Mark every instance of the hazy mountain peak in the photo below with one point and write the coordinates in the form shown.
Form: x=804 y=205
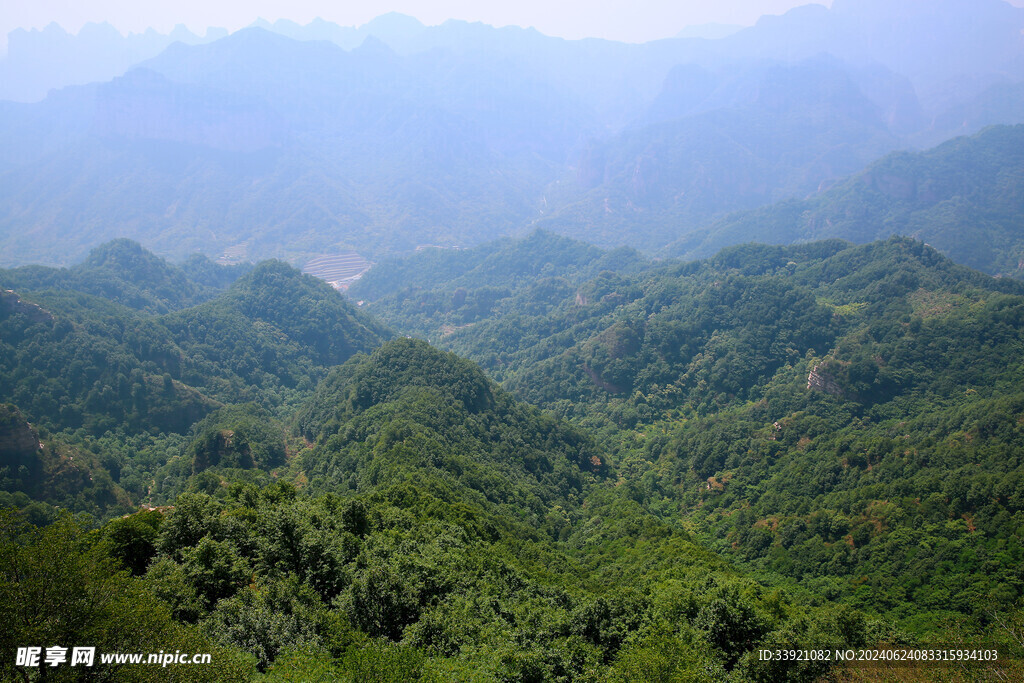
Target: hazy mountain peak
x=52 y=28
x=99 y=30
x=880 y=8
x=256 y=34
x=393 y=22
x=38 y=61
x=811 y=12
x=372 y=46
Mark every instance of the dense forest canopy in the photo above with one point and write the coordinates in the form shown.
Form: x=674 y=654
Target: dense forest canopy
x=801 y=446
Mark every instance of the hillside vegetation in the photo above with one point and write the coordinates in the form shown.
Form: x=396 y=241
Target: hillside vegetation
x=768 y=389
x=127 y=385
x=780 y=447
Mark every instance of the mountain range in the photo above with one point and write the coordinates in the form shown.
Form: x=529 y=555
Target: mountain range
x=965 y=198
x=293 y=141
x=683 y=463
x=671 y=355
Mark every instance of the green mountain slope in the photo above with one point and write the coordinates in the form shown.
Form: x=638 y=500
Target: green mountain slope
x=779 y=447
x=444 y=530
x=439 y=529
x=124 y=272
x=274 y=328
x=963 y=197
x=37 y=469
x=76 y=359
x=440 y=291
x=409 y=407
x=120 y=391
x=765 y=390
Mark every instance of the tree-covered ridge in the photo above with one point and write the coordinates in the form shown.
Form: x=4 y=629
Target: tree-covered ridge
x=886 y=472
x=275 y=329
x=764 y=390
x=122 y=271
x=963 y=197
x=77 y=360
x=411 y=412
x=700 y=334
x=115 y=393
x=779 y=446
x=503 y=263
x=682 y=343
x=74 y=361
x=437 y=292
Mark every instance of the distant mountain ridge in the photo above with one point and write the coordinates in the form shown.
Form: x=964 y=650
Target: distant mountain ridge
x=925 y=41
x=767 y=133
x=965 y=197
x=393 y=135
x=39 y=61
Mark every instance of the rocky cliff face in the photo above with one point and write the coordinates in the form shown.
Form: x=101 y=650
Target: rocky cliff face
x=820 y=379
x=11 y=303
x=18 y=441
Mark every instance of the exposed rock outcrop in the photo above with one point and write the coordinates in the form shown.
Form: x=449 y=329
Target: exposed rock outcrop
x=18 y=441
x=820 y=379
x=11 y=303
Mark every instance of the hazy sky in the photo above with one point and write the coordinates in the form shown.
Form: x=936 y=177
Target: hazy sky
x=630 y=20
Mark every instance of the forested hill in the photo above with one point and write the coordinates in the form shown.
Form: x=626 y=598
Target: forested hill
x=504 y=263
x=80 y=365
x=409 y=406
x=779 y=447
x=965 y=198
x=125 y=273
x=406 y=519
x=440 y=291
x=862 y=380
x=611 y=319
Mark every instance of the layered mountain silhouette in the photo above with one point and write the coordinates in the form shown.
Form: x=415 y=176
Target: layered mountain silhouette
x=964 y=198
x=289 y=141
